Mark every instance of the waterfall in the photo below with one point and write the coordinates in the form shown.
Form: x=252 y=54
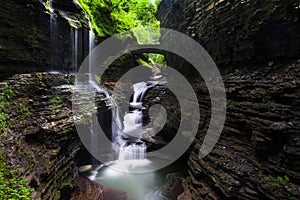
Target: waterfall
x=133 y=121
x=133 y=125
x=140 y=91
x=51 y=15
x=116 y=122
x=116 y=125
x=52 y=34
x=116 y=119
x=91 y=46
x=126 y=135
x=132 y=152
x=76 y=50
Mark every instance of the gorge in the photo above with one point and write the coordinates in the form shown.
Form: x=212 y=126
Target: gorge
x=47 y=102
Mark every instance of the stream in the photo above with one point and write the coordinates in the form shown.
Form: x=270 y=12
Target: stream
x=129 y=152
x=132 y=155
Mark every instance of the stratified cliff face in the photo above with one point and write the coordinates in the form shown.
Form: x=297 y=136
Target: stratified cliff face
x=237 y=32
x=41 y=137
x=257 y=156
x=29 y=37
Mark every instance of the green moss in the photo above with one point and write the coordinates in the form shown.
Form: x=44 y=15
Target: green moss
x=221 y=160
x=279 y=185
x=38 y=81
x=56 y=100
x=55 y=103
x=22 y=111
x=232 y=102
x=5 y=107
x=98 y=79
x=11 y=185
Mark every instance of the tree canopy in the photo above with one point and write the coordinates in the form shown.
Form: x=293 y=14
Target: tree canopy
x=110 y=17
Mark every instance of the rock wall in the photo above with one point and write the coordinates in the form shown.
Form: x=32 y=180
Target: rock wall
x=258 y=152
x=237 y=32
x=27 y=37
x=41 y=137
x=257 y=156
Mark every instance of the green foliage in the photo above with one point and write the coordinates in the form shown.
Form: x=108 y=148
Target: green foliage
x=5 y=107
x=22 y=111
x=143 y=62
x=55 y=103
x=221 y=160
x=280 y=179
x=11 y=185
x=283 y=180
x=156 y=58
x=279 y=184
x=3 y=123
x=286 y=178
x=9 y=93
x=98 y=79
x=109 y=17
x=56 y=100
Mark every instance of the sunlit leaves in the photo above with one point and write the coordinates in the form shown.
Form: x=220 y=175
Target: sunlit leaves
x=110 y=17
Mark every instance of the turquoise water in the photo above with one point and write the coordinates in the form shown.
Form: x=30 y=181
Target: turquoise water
x=139 y=186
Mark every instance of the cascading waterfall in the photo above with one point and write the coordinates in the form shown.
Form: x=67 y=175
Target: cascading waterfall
x=133 y=125
x=132 y=152
x=126 y=136
x=132 y=156
x=128 y=150
x=140 y=91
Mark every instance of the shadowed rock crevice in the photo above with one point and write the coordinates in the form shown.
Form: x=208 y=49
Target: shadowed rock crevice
x=256 y=47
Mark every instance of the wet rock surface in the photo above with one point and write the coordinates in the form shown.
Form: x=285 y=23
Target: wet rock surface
x=42 y=138
x=257 y=155
x=89 y=190
x=256 y=47
x=258 y=152
x=29 y=37
x=170 y=190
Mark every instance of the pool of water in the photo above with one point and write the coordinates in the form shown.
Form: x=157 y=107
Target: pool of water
x=153 y=185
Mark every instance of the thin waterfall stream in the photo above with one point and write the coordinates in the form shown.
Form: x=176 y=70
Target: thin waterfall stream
x=91 y=46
